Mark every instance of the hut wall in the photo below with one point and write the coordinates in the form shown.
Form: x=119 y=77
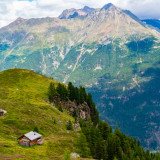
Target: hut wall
x=1 y=114
x=34 y=142
x=23 y=137
x=22 y=143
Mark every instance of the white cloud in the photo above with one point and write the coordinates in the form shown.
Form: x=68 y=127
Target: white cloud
x=12 y=9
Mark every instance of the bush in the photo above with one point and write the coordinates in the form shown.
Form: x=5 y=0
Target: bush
x=55 y=122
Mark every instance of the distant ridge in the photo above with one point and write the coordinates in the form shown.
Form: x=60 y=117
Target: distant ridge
x=152 y=22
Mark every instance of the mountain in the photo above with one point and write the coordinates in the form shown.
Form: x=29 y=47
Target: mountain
x=109 y=51
x=152 y=22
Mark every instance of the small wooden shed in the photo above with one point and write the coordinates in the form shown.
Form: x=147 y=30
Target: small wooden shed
x=30 y=139
x=2 y=112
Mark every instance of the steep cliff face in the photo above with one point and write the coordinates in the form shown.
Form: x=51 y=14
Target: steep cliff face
x=82 y=110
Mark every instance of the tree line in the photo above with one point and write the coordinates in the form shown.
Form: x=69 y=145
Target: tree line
x=100 y=142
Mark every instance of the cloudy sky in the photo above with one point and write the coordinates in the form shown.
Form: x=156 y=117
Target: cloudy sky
x=12 y=9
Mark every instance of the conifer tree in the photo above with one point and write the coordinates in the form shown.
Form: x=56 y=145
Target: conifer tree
x=89 y=100
x=117 y=132
x=69 y=125
x=75 y=115
x=59 y=90
x=81 y=92
x=100 y=146
x=82 y=146
x=93 y=139
x=36 y=129
x=104 y=129
x=60 y=109
x=62 y=91
x=71 y=91
x=51 y=92
x=77 y=97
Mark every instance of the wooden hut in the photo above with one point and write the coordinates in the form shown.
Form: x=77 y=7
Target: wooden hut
x=2 y=112
x=30 y=139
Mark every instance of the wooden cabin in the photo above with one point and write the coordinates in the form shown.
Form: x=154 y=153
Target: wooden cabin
x=30 y=139
x=2 y=112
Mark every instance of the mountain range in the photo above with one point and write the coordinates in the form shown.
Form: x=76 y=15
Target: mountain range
x=108 y=50
x=153 y=23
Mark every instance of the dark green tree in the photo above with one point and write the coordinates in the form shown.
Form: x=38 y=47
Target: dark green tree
x=51 y=92
x=77 y=97
x=69 y=126
x=75 y=115
x=89 y=100
x=60 y=108
x=36 y=129
x=114 y=148
x=83 y=95
x=100 y=148
x=82 y=146
x=71 y=91
x=94 y=112
x=62 y=91
x=105 y=129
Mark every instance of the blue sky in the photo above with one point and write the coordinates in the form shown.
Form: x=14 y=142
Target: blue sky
x=12 y=9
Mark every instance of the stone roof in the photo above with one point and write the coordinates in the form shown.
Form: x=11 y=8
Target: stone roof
x=32 y=135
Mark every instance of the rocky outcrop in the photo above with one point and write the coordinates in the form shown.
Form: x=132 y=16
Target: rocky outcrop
x=83 y=110
x=75 y=155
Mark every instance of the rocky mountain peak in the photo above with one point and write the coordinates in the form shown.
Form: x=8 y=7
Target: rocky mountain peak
x=19 y=19
x=66 y=13
x=87 y=9
x=107 y=6
x=73 y=13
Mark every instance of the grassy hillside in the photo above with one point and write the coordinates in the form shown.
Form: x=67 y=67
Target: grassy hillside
x=23 y=95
